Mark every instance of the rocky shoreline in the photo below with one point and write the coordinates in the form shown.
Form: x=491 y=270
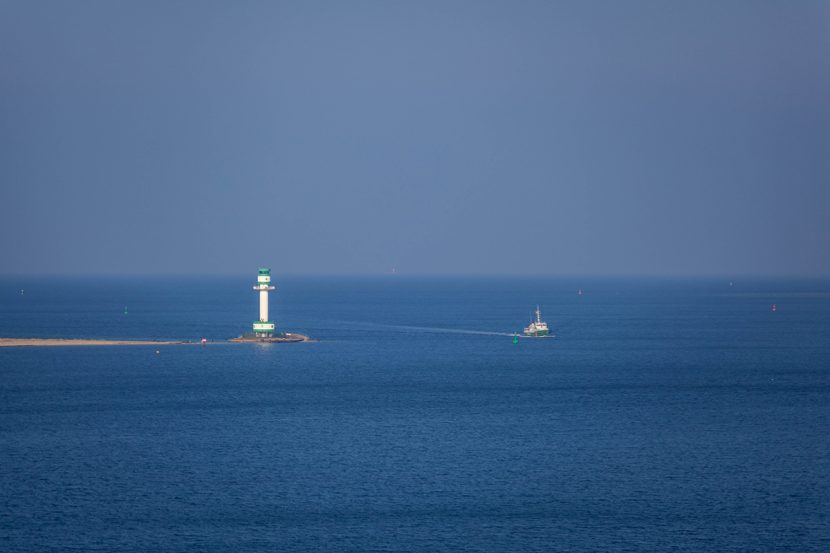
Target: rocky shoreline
x=286 y=337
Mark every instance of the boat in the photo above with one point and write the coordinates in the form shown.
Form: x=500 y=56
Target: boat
x=537 y=327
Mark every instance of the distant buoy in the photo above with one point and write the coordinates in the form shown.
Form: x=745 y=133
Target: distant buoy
x=125 y=309
x=774 y=308
x=21 y=291
x=204 y=340
x=515 y=339
x=157 y=351
x=579 y=292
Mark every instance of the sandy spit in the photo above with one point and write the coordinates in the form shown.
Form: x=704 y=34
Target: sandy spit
x=6 y=342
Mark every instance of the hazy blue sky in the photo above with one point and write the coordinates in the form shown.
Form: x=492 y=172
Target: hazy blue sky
x=435 y=137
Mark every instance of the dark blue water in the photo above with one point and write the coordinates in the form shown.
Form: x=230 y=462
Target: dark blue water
x=665 y=416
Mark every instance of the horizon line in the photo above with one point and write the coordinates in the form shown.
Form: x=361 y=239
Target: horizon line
x=390 y=275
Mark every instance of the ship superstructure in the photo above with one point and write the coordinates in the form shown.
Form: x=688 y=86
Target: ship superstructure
x=537 y=327
x=263 y=328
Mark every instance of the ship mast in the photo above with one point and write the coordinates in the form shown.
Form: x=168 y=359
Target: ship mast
x=538 y=315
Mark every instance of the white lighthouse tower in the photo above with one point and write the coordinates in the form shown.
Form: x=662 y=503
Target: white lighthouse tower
x=263 y=328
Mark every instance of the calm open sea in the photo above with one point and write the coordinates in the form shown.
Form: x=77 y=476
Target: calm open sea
x=678 y=416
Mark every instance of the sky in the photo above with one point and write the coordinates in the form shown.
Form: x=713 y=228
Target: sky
x=449 y=137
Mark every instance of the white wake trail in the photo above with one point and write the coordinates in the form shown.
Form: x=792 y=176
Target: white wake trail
x=430 y=329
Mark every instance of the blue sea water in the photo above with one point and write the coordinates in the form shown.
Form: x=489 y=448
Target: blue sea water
x=680 y=415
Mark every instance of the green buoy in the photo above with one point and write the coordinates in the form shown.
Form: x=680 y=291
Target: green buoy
x=125 y=309
x=515 y=339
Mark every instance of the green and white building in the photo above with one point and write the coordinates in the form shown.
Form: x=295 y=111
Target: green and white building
x=263 y=328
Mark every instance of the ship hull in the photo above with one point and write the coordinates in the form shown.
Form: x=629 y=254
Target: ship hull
x=537 y=333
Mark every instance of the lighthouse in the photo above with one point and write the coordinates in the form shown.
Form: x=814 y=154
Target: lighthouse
x=263 y=328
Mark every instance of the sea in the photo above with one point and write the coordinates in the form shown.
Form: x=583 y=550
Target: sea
x=681 y=415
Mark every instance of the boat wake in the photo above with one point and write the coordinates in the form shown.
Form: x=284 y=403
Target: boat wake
x=425 y=329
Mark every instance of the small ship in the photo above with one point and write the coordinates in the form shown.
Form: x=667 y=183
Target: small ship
x=538 y=327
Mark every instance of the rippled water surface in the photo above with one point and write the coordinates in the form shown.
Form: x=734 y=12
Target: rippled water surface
x=664 y=416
